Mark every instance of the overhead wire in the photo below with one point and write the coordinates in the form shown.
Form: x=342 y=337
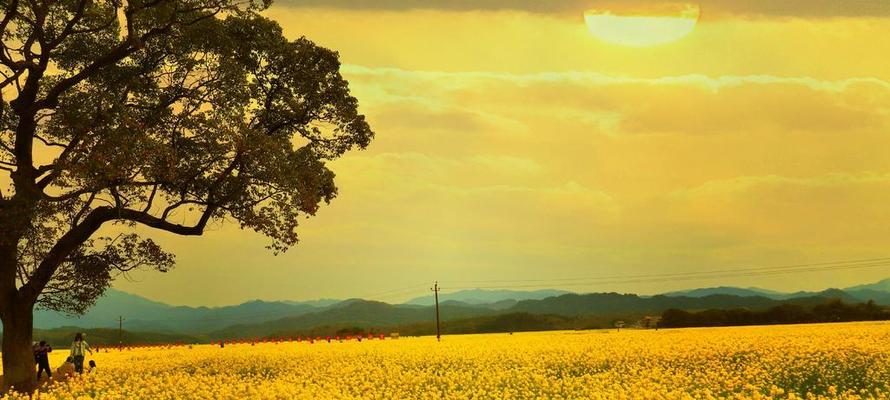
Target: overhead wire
x=618 y=279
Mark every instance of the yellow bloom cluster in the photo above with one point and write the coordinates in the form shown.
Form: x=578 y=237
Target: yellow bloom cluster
x=846 y=361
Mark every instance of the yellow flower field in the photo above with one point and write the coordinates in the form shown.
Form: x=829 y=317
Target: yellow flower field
x=847 y=361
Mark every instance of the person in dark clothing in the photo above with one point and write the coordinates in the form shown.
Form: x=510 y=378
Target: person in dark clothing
x=41 y=356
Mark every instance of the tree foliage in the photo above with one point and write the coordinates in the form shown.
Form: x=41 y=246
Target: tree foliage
x=169 y=114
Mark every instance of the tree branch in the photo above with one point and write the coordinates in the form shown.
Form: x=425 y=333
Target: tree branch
x=76 y=237
x=11 y=12
x=129 y=46
x=69 y=27
x=68 y=243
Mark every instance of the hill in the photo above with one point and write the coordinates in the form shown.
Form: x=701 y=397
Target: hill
x=568 y=311
x=483 y=296
x=260 y=318
x=730 y=290
x=879 y=292
x=142 y=314
x=351 y=313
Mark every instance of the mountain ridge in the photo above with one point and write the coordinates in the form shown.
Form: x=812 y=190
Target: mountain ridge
x=483 y=296
x=142 y=314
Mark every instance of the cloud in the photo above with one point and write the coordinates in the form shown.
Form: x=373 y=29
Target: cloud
x=511 y=142
x=786 y=8
x=685 y=104
x=826 y=210
x=471 y=78
x=737 y=185
x=677 y=166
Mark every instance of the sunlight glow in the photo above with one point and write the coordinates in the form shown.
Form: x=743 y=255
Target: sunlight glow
x=641 y=30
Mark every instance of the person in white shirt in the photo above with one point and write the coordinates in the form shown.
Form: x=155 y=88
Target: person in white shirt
x=79 y=348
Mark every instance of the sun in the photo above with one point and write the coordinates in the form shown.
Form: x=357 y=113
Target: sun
x=641 y=28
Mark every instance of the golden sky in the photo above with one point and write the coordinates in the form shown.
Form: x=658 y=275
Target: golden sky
x=513 y=144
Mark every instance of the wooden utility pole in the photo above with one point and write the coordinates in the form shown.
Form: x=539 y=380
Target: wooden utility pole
x=436 y=294
x=120 y=333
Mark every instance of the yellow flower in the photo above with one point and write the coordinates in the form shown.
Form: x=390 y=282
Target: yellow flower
x=831 y=361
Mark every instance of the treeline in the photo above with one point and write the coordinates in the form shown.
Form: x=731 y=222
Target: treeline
x=500 y=323
x=511 y=322
x=108 y=337
x=833 y=311
x=787 y=313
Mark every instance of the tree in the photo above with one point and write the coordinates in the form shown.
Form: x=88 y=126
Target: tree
x=167 y=114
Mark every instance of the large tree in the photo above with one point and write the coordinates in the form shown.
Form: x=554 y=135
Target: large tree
x=167 y=114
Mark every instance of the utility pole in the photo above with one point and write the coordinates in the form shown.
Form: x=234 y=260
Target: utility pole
x=436 y=294
x=120 y=333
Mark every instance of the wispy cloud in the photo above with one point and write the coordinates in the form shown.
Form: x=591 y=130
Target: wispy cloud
x=786 y=8
x=470 y=78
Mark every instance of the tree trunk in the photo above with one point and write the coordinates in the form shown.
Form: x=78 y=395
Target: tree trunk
x=18 y=358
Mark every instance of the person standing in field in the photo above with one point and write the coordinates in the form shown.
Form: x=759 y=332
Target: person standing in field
x=41 y=356
x=78 y=351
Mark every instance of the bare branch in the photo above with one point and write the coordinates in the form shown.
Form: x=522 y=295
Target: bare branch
x=49 y=143
x=11 y=78
x=83 y=209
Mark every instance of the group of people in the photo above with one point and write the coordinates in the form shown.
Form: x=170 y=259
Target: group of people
x=72 y=365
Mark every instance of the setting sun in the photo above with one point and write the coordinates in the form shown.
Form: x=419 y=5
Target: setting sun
x=641 y=29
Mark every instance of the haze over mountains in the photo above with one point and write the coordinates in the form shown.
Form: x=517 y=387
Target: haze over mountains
x=879 y=292
x=482 y=296
x=257 y=318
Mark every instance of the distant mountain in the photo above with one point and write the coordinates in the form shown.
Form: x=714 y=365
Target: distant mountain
x=482 y=296
x=631 y=304
x=734 y=291
x=567 y=310
x=881 y=286
x=879 y=292
x=880 y=297
x=353 y=313
x=314 y=303
x=141 y=314
x=105 y=312
x=478 y=308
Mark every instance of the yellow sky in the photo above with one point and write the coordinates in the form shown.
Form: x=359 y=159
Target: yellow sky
x=512 y=144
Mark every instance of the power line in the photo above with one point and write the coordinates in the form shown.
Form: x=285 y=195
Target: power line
x=682 y=277
x=411 y=294
x=580 y=282
x=845 y=262
x=404 y=289
x=654 y=280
